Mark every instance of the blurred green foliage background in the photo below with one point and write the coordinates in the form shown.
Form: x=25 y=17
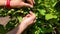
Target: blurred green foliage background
x=47 y=17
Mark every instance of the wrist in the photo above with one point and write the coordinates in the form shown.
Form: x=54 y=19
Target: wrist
x=8 y=3
x=22 y=27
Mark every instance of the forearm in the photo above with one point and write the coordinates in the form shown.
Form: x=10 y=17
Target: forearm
x=2 y=2
x=22 y=27
x=14 y=31
x=19 y=29
x=13 y=4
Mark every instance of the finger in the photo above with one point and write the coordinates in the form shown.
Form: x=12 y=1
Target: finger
x=34 y=20
x=27 y=5
x=24 y=18
x=30 y=1
x=33 y=1
x=31 y=13
x=28 y=15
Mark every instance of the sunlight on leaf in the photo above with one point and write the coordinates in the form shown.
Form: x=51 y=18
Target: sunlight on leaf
x=50 y=16
x=42 y=11
x=19 y=18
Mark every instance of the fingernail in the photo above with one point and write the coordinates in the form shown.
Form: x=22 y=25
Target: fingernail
x=31 y=6
x=30 y=11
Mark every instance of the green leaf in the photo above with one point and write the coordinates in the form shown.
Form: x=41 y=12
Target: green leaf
x=19 y=18
x=50 y=16
x=42 y=11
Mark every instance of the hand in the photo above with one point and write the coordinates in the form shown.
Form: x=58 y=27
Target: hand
x=27 y=20
x=21 y=3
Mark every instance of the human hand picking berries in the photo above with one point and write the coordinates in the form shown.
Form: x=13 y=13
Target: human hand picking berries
x=17 y=3
x=27 y=20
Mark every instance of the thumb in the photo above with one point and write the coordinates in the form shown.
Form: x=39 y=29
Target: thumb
x=27 y=5
x=32 y=14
